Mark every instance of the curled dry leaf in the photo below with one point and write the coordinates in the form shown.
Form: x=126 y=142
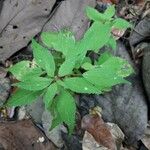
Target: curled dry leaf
x=89 y=143
x=117 y=134
x=118 y=33
x=95 y=125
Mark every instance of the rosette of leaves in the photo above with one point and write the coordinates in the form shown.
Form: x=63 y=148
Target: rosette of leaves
x=65 y=70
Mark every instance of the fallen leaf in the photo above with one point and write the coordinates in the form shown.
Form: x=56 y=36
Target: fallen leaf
x=146 y=139
x=141 y=32
x=23 y=135
x=118 y=33
x=89 y=143
x=20 y=21
x=117 y=134
x=95 y=125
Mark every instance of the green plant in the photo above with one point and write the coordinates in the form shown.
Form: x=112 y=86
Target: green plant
x=67 y=69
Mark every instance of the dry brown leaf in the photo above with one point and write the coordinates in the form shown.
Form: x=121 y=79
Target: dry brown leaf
x=140 y=1
x=89 y=143
x=23 y=135
x=20 y=21
x=95 y=125
x=118 y=33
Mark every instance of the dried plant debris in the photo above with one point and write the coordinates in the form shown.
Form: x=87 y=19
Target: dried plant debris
x=117 y=134
x=133 y=10
x=100 y=135
x=99 y=130
x=89 y=143
x=23 y=135
x=20 y=21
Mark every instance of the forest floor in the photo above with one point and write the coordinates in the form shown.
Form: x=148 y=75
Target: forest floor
x=124 y=120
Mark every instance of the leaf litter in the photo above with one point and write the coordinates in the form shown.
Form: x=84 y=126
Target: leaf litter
x=11 y=33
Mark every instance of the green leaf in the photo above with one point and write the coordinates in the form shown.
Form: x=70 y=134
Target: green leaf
x=110 y=73
x=34 y=72
x=49 y=38
x=81 y=59
x=110 y=12
x=56 y=121
x=50 y=94
x=43 y=58
x=61 y=83
x=20 y=69
x=87 y=60
x=63 y=41
x=96 y=37
x=104 y=57
x=121 y=24
x=67 y=67
x=80 y=85
x=94 y=15
x=66 y=109
x=56 y=117
x=87 y=66
x=112 y=43
x=25 y=68
x=34 y=83
x=53 y=108
x=23 y=97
